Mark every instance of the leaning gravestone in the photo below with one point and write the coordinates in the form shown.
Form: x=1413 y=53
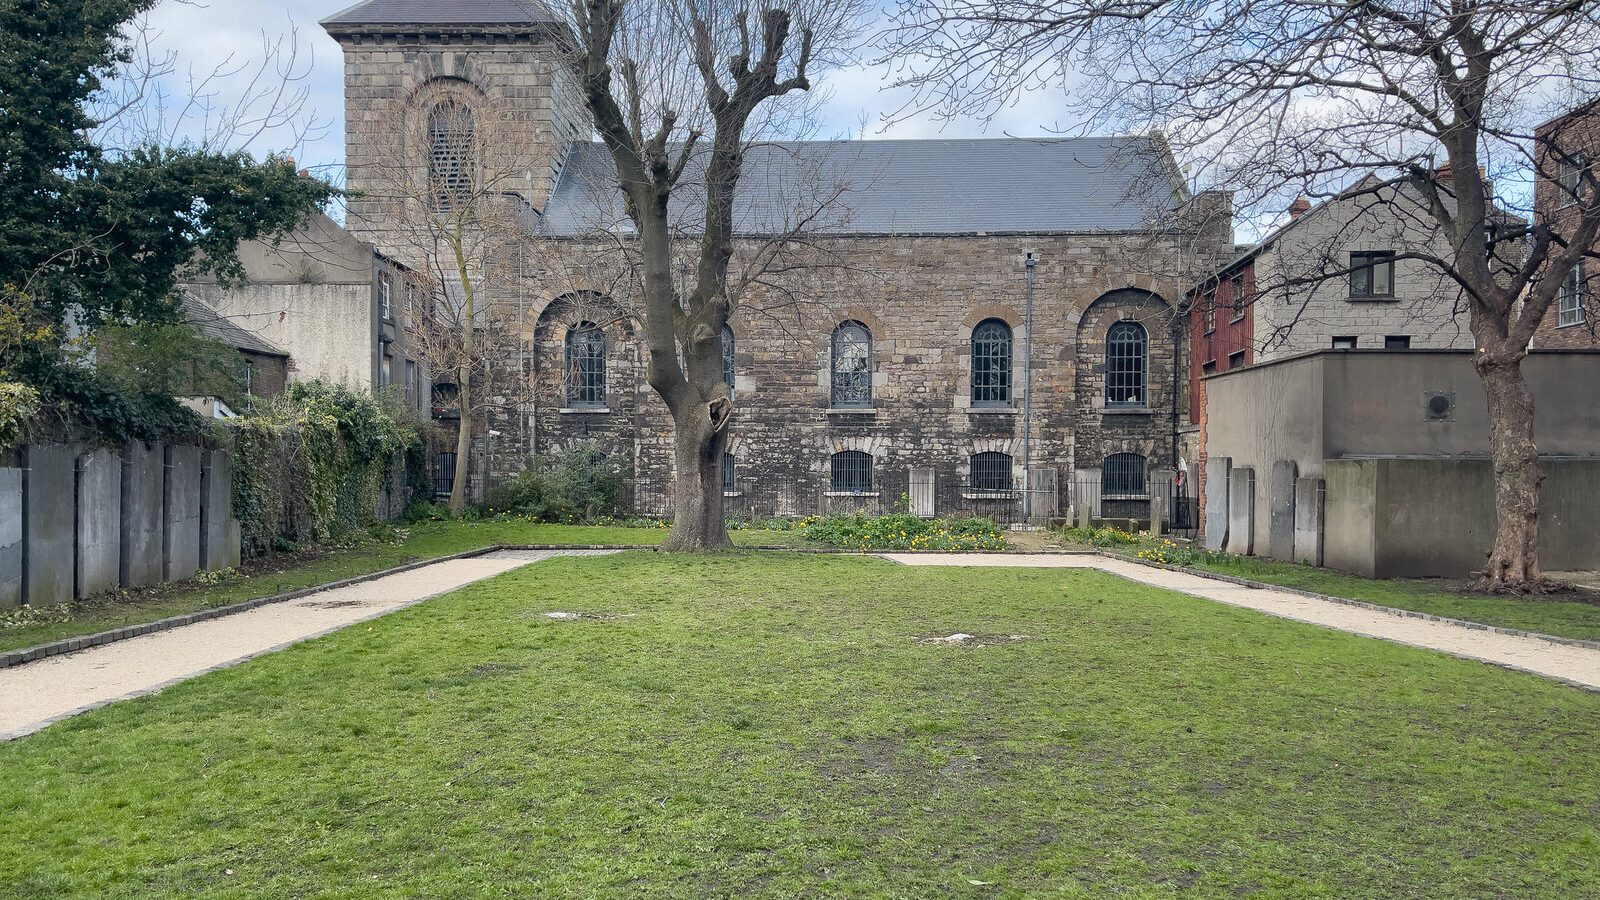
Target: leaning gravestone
x=99 y=550
x=47 y=508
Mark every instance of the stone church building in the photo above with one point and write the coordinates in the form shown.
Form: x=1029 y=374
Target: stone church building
x=955 y=320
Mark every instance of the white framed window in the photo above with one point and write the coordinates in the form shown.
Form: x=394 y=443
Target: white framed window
x=1347 y=342
x=1569 y=302
x=384 y=300
x=1569 y=178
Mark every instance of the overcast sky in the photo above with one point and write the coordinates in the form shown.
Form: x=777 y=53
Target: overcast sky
x=207 y=33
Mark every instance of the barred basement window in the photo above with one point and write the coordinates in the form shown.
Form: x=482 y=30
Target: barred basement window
x=450 y=152
x=991 y=363
x=852 y=367
x=991 y=472
x=728 y=483
x=852 y=472
x=586 y=366
x=1127 y=360
x=727 y=358
x=1122 y=474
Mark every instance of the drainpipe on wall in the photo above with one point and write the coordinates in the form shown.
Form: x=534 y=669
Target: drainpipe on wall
x=1027 y=396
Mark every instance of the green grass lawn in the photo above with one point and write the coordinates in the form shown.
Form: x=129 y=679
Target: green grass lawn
x=770 y=725
x=1564 y=616
x=276 y=575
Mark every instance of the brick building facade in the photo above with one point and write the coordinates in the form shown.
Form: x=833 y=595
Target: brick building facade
x=854 y=369
x=1568 y=145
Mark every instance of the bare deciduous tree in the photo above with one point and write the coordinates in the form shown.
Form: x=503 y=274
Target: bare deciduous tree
x=686 y=81
x=1306 y=96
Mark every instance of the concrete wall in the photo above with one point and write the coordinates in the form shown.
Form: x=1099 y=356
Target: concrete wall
x=1391 y=518
x=219 y=540
x=180 y=541
x=99 y=522
x=1332 y=405
x=327 y=328
x=47 y=523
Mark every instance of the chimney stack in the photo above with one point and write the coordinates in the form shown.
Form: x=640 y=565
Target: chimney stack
x=1299 y=207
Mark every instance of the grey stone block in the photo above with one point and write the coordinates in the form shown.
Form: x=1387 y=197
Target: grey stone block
x=1218 y=468
x=216 y=512
x=1241 y=510
x=180 y=538
x=1280 y=509
x=10 y=538
x=99 y=527
x=1308 y=493
x=47 y=530
x=143 y=487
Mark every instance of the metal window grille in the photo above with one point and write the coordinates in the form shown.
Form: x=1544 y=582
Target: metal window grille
x=991 y=472
x=727 y=358
x=1372 y=274
x=450 y=140
x=852 y=471
x=852 y=366
x=444 y=473
x=1127 y=359
x=991 y=364
x=1569 y=304
x=1122 y=474
x=586 y=365
x=727 y=474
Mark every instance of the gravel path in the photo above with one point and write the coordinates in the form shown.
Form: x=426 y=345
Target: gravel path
x=35 y=694
x=1578 y=666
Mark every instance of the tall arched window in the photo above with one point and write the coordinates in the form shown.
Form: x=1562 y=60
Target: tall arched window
x=852 y=367
x=586 y=366
x=1127 y=362
x=852 y=472
x=450 y=153
x=1122 y=474
x=727 y=358
x=991 y=472
x=991 y=363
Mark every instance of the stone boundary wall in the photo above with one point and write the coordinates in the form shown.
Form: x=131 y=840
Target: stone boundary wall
x=78 y=520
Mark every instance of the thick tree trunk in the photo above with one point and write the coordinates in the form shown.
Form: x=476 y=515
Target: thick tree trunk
x=458 y=484
x=698 y=522
x=1514 y=560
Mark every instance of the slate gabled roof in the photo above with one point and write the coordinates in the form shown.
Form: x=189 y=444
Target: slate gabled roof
x=443 y=12
x=993 y=186
x=214 y=325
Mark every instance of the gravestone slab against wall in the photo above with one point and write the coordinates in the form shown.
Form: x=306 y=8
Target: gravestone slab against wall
x=1218 y=468
x=1308 y=494
x=1280 y=509
x=10 y=537
x=47 y=531
x=216 y=510
x=1242 y=510
x=180 y=541
x=99 y=527
x=143 y=489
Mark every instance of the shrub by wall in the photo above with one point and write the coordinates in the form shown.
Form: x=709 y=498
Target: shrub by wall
x=309 y=466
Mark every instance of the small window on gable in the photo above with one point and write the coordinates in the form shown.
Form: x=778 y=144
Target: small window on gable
x=1123 y=475
x=1372 y=274
x=1397 y=342
x=852 y=472
x=1344 y=343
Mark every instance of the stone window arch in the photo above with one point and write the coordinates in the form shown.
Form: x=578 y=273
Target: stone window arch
x=1123 y=475
x=991 y=363
x=851 y=472
x=851 y=367
x=586 y=366
x=991 y=472
x=1127 y=364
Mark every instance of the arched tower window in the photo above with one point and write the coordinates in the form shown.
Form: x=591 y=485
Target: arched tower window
x=586 y=366
x=451 y=149
x=852 y=367
x=991 y=363
x=1127 y=364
